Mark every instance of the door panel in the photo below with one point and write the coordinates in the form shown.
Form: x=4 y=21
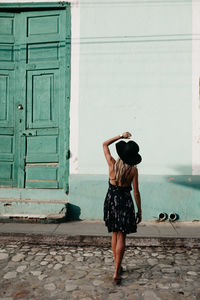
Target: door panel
x=6 y=53
x=43 y=24
x=6 y=147
x=6 y=175
x=42 y=176
x=42 y=99
x=6 y=98
x=40 y=149
x=7 y=27
x=42 y=52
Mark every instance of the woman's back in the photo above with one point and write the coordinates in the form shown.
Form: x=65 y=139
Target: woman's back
x=121 y=174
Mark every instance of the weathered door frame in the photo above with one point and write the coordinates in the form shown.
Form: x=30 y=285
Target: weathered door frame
x=64 y=162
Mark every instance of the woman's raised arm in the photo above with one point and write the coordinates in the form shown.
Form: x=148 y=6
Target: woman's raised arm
x=106 y=150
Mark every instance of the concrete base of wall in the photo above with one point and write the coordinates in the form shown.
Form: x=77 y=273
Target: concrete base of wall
x=32 y=203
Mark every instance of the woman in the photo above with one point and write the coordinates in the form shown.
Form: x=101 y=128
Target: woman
x=119 y=213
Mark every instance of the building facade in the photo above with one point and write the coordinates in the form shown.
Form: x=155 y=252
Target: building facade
x=73 y=74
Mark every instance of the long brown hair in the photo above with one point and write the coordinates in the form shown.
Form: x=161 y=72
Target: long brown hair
x=122 y=172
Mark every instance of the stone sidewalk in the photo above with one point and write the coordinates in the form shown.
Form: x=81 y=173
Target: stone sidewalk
x=94 y=233
x=85 y=273
x=97 y=227
x=73 y=261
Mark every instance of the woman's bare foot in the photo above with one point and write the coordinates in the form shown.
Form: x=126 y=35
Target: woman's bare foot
x=117 y=280
x=117 y=274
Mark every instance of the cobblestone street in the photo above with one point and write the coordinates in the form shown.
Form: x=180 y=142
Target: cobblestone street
x=62 y=272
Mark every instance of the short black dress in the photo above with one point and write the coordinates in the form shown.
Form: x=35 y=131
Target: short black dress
x=119 y=211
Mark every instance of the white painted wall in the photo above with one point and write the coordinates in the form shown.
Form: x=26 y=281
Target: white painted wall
x=195 y=88
x=136 y=75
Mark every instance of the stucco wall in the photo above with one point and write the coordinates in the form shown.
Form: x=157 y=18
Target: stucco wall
x=136 y=75
x=134 y=66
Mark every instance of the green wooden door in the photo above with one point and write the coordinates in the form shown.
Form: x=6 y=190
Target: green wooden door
x=39 y=92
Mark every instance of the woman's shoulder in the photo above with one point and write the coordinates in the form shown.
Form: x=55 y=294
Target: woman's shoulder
x=134 y=172
x=134 y=169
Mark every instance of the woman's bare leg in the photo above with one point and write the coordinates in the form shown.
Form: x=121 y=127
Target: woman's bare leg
x=120 y=248
x=113 y=244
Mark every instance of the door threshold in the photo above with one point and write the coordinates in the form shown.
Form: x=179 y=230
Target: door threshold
x=32 y=218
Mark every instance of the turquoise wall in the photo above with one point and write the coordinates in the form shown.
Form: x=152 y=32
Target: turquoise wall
x=136 y=75
x=179 y=194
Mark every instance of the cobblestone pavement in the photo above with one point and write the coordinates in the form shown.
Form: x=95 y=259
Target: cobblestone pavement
x=61 y=272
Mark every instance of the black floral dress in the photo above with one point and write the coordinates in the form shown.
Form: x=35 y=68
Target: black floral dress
x=119 y=212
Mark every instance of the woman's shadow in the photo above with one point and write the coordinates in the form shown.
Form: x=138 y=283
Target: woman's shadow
x=73 y=213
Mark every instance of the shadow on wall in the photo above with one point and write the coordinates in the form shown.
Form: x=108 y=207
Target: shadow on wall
x=73 y=212
x=190 y=181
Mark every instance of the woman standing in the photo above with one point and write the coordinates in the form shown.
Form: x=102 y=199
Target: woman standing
x=119 y=212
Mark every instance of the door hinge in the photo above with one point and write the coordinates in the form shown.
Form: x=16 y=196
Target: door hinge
x=68 y=154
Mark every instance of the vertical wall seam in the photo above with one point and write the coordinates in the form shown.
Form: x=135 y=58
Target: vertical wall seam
x=74 y=101
x=195 y=88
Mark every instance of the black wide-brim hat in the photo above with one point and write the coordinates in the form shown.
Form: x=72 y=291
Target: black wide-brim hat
x=128 y=152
